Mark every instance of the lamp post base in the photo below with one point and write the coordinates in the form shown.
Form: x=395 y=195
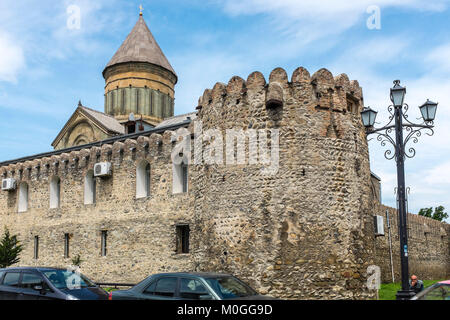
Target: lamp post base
x=405 y=295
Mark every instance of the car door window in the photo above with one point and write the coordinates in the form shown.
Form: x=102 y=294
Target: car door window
x=11 y=279
x=193 y=289
x=166 y=287
x=30 y=280
x=150 y=290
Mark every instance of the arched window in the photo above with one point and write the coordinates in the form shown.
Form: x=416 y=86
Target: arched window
x=55 y=192
x=143 y=180
x=23 y=197
x=89 y=188
x=180 y=178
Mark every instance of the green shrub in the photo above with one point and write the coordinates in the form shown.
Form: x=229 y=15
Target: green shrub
x=10 y=249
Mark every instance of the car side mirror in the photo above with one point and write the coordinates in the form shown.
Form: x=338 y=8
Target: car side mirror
x=42 y=288
x=38 y=287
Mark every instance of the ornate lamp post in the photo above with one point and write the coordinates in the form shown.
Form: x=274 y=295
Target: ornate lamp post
x=398 y=121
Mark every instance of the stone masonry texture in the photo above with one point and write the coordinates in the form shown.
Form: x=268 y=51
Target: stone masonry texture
x=306 y=232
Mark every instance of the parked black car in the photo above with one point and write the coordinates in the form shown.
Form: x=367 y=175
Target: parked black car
x=189 y=286
x=30 y=283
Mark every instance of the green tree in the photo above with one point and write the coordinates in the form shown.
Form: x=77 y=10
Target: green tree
x=10 y=249
x=426 y=212
x=438 y=213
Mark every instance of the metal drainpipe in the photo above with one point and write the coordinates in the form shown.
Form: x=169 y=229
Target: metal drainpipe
x=390 y=245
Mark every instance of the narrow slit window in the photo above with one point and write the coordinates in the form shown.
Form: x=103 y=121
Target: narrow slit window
x=36 y=247
x=137 y=101
x=103 y=244
x=182 y=239
x=122 y=107
x=66 y=245
x=184 y=169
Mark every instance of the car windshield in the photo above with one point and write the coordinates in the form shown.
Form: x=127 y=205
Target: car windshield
x=68 y=279
x=230 y=287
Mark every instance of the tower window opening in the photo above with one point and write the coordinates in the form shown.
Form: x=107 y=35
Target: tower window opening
x=103 y=243
x=55 y=192
x=131 y=128
x=143 y=180
x=36 y=247
x=66 y=245
x=90 y=185
x=23 y=197
x=182 y=239
x=180 y=178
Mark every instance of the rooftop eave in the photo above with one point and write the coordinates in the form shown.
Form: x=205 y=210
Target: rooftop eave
x=139 y=62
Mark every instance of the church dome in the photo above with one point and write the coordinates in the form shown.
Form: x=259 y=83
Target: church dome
x=139 y=79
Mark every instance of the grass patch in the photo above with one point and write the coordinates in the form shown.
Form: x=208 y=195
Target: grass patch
x=389 y=290
x=109 y=289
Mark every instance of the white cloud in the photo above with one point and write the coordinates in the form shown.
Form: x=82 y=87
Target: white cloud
x=312 y=19
x=439 y=175
x=12 y=59
x=45 y=35
x=440 y=56
x=323 y=8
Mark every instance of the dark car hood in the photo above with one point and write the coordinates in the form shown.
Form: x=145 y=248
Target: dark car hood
x=93 y=293
x=256 y=297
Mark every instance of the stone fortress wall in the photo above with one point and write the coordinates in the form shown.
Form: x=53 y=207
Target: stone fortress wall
x=140 y=232
x=305 y=232
x=428 y=242
x=300 y=233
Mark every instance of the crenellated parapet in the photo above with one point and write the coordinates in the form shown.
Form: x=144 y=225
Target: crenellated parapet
x=80 y=161
x=419 y=227
x=326 y=106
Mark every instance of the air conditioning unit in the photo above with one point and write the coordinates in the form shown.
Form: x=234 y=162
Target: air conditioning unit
x=8 y=184
x=379 y=225
x=102 y=169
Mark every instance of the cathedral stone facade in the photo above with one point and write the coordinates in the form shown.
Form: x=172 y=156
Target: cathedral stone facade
x=305 y=230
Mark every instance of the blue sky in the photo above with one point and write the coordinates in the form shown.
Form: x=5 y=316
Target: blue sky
x=45 y=67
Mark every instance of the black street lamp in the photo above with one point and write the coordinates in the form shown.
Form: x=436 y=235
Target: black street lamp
x=413 y=131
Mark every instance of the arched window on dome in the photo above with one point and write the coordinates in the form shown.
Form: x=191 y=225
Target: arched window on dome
x=55 y=192
x=143 y=180
x=89 y=187
x=23 y=197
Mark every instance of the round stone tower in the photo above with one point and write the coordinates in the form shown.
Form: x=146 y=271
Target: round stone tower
x=139 y=79
x=303 y=230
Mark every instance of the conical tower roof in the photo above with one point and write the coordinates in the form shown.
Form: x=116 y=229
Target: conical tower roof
x=140 y=46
